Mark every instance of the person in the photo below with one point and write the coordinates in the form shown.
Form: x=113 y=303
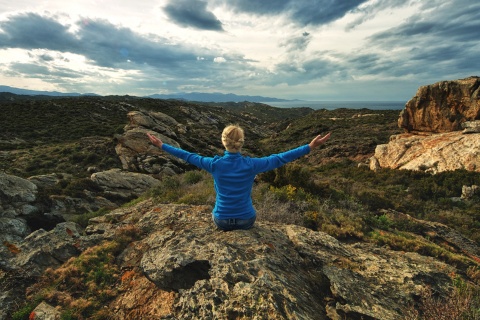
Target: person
x=234 y=174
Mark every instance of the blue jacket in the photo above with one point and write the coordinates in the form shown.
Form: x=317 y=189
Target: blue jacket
x=233 y=176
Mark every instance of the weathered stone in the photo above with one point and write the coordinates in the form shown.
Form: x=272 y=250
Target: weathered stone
x=42 y=249
x=271 y=271
x=471 y=126
x=44 y=311
x=64 y=205
x=468 y=192
x=15 y=193
x=442 y=107
x=46 y=180
x=124 y=184
x=154 y=121
x=185 y=268
x=134 y=148
x=430 y=153
x=13 y=229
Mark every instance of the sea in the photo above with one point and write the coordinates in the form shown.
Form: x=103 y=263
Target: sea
x=331 y=105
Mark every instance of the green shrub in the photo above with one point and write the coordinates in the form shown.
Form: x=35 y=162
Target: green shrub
x=374 y=201
x=192 y=177
x=85 y=217
x=76 y=188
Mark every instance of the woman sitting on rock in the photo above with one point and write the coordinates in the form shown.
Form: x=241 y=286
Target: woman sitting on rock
x=234 y=174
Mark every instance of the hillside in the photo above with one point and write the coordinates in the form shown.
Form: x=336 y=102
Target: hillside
x=327 y=212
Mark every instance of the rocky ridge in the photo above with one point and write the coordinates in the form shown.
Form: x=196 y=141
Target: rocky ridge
x=182 y=267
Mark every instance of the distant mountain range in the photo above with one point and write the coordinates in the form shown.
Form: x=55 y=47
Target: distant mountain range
x=214 y=97
x=188 y=96
x=43 y=93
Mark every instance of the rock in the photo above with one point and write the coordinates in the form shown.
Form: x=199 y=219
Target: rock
x=468 y=192
x=65 y=206
x=13 y=229
x=16 y=195
x=135 y=150
x=126 y=185
x=30 y=258
x=430 y=153
x=42 y=249
x=44 y=311
x=442 y=107
x=46 y=180
x=471 y=126
x=155 y=121
x=182 y=267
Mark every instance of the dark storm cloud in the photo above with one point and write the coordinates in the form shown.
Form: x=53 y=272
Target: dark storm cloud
x=295 y=72
x=32 y=31
x=457 y=22
x=34 y=70
x=369 y=11
x=303 y=12
x=103 y=44
x=111 y=46
x=441 y=40
x=192 y=13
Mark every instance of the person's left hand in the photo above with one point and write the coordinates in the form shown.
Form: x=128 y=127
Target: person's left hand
x=155 y=140
x=318 y=140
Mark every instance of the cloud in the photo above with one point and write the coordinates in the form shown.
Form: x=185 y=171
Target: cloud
x=297 y=43
x=319 y=12
x=302 y=12
x=33 y=31
x=219 y=60
x=192 y=13
x=100 y=42
x=440 y=40
x=372 y=8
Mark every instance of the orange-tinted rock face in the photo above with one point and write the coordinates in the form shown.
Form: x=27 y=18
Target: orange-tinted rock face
x=442 y=107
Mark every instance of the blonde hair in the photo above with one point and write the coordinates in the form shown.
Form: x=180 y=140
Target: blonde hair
x=233 y=138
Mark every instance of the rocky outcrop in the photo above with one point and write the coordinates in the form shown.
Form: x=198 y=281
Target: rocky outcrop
x=123 y=184
x=17 y=196
x=430 y=153
x=137 y=153
x=182 y=267
x=471 y=126
x=199 y=132
x=21 y=263
x=442 y=107
x=21 y=212
x=433 y=120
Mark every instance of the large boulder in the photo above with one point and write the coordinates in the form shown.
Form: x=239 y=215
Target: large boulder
x=22 y=263
x=430 y=152
x=16 y=195
x=137 y=153
x=433 y=120
x=124 y=184
x=442 y=107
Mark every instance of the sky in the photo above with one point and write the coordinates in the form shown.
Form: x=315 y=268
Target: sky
x=318 y=50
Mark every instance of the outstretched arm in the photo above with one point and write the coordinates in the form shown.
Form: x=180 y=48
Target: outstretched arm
x=318 y=140
x=155 y=140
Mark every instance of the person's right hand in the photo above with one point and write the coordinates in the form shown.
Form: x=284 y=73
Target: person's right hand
x=155 y=140
x=318 y=140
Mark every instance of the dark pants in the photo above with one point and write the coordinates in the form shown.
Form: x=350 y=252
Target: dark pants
x=234 y=224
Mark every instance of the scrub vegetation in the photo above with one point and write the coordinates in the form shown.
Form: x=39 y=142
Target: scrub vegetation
x=326 y=191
